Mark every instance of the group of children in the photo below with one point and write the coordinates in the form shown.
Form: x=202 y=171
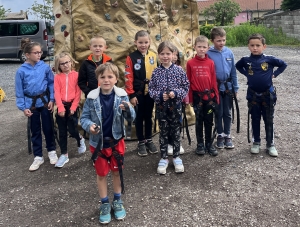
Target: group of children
x=208 y=85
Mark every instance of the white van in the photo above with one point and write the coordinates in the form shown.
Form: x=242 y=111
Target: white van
x=12 y=31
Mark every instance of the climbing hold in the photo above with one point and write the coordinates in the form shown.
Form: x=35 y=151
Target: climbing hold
x=66 y=33
x=157 y=37
x=189 y=40
x=52 y=17
x=52 y=40
x=187 y=54
x=115 y=4
x=177 y=30
x=150 y=24
x=58 y=15
x=107 y=16
x=185 y=6
x=119 y=38
x=180 y=54
x=63 y=27
x=67 y=11
x=136 y=1
x=174 y=12
x=61 y=2
x=80 y=38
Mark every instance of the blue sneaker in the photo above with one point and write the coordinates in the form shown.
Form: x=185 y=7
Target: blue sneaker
x=119 y=210
x=105 y=216
x=63 y=159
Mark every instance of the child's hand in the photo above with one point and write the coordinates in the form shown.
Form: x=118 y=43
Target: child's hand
x=72 y=112
x=27 y=113
x=50 y=106
x=171 y=95
x=94 y=129
x=122 y=105
x=134 y=101
x=165 y=96
x=62 y=114
x=273 y=76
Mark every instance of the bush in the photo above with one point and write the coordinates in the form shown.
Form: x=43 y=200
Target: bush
x=205 y=30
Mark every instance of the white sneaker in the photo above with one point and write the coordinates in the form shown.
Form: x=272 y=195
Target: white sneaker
x=255 y=148
x=162 y=166
x=170 y=149
x=82 y=147
x=181 y=150
x=36 y=163
x=179 y=168
x=53 y=157
x=272 y=151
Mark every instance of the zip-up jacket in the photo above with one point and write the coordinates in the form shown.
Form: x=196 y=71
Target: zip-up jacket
x=32 y=81
x=92 y=114
x=224 y=65
x=138 y=68
x=259 y=70
x=168 y=79
x=202 y=76
x=66 y=89
x=87 y=80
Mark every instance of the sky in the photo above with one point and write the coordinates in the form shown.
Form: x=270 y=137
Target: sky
x=17 y=5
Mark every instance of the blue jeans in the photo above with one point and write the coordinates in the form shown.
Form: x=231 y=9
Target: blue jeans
x=36 y=134
x=224 y=109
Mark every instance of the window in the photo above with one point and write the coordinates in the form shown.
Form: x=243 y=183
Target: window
x=7 y=29
x=28 y=28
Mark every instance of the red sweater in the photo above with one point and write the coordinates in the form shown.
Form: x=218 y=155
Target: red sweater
x=201 y=74
x=66 y=89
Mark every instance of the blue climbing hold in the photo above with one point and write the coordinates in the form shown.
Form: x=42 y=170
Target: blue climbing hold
x=180 y=54
x=61 y=2
x=119 y=38
x=157 y=37
x=63 y=27
x=107 y=16
x=136 y=1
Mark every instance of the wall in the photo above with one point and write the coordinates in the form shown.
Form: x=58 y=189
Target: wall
x=288 y=21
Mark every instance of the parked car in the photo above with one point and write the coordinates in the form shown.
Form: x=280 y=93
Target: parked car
x=12 y=31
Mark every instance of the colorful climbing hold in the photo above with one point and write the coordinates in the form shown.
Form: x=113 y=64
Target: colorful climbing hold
x=66 y=33
x=115 y=4
x=136 y=1
x=158 y=37
x=185 y=6
x=63 y=27
x=119 y=38
x=107 y=16
x=61 y=2
x=58 y=15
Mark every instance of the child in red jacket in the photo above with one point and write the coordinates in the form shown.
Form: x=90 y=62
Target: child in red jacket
x=67 y=96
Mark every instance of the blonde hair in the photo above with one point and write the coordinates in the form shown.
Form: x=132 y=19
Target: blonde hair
x=201 y=39
x=97 y=36
x=61 y=55
x=108 y=66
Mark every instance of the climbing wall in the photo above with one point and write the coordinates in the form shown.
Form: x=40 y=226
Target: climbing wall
x=118 y=20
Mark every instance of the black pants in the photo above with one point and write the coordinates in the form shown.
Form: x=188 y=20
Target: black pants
x=65 y=124
x=144 y=113
x=204 y=116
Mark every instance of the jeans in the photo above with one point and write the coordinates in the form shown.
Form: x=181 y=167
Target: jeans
x=224 y=114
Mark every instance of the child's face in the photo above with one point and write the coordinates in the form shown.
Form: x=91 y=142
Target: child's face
x=98 y=46
x=107 y=81
x=175 y=58
x=219 y=42
x=65 y=64
x=35 y=55
x=201 y=48
x=256 y=47
x=165 y=57
x=142 y=44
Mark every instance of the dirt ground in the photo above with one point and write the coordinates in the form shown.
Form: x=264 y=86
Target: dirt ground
x=235 y=188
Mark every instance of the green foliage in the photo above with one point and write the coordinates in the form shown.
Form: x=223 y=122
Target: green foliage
x=205 y=30
x=290 y=5
x=238 y=35
x=42 y=11
x=222 y=11
x=3 y=11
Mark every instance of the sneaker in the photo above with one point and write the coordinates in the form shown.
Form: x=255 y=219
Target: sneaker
x=200 y=149
x=162 y=166
x=255 y=148
x=272 y=151
x=142 y=149
x=220 y=142
x=179 y=168
x=228 y=143
x=53 y=157
x=181 y=150
x=36 y=163
x=105 y=216
x=151 y=147
x=211 y=150
x=82 y=147
x=63 y=159
x=119 y=210
x=170 y=149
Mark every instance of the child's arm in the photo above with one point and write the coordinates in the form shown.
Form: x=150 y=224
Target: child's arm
x=129 y=78
x=189 y=76
x=77 y=97
x=234 y=76
x=214 y=82
x=50 y=79
x=280 y=64
x=183 y=88
x=132 y=111
x=240 y=66
x=153 y=89
x=85 y=120
x=57 y=96
x=83 y=79
x=20 y=97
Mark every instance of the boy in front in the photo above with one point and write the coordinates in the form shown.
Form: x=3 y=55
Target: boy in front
x=102 y=118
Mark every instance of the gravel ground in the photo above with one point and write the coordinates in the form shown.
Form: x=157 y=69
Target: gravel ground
x=233 y=189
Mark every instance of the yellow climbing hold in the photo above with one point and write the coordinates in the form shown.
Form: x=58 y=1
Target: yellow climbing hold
x=2 y=95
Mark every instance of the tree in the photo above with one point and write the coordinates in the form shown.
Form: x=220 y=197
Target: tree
x=290 y=4
x=222 y=11
x=3 y=11
x=42 y=11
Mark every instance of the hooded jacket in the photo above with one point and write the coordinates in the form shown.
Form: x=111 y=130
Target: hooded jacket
x=87 y=80
x=32 y=81
x=225 y=68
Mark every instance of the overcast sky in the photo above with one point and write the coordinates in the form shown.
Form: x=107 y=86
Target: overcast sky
x=17 y=5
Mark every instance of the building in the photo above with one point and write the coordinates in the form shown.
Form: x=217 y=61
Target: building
x=251 y=9
x=22 y=15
